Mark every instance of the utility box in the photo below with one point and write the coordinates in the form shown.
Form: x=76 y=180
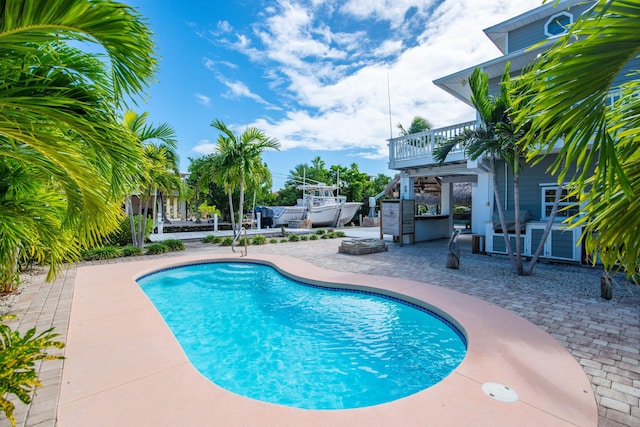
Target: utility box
x=398 y=219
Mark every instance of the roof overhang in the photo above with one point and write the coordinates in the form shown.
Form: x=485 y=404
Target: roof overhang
x=457 y=84
x=498 y=33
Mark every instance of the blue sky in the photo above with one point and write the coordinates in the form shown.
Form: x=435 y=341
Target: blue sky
x=313 y=73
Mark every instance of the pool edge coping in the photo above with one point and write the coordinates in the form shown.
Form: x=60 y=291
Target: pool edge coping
x=540 y=397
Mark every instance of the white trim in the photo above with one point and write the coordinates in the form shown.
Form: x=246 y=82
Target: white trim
x=550 y=20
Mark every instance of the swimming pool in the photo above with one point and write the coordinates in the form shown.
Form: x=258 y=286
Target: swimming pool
x=257 y=333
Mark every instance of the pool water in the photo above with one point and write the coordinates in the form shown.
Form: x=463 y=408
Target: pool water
x=254 y=332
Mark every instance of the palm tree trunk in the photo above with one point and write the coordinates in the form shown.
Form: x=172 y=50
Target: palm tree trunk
x=142 y=221
x=547 y=230
x=516 y=201
x=500 y=210
x=241 y=207
x=233 y=217
x=129 y=208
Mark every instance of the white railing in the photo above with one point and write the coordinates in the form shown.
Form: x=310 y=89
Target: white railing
x=420 y=145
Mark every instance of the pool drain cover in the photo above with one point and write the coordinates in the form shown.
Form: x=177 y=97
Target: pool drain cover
x=500 y=392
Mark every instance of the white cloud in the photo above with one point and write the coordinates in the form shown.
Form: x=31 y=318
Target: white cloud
x=203 y=99
x=204 y=147
x=336 y=82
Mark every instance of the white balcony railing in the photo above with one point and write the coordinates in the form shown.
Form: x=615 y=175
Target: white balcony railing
x=417 y=148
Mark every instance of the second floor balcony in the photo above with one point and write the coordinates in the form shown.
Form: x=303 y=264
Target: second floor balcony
x=416 y=149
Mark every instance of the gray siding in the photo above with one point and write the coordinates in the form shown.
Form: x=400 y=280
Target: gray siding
x=530 y=179
x=530 y=34
x=527 y=36
x=633 y=65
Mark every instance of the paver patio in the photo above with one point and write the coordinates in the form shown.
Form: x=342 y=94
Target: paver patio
x=603 y=336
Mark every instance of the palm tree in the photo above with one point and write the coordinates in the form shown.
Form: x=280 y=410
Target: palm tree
x=418 y=124
x=57 y=118
x=238 y=161
x=569 y=89
x=161 y=167
x=492 y=139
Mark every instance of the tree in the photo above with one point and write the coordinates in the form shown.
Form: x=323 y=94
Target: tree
x=418 y=124
x=567 y=99
x=58 y=122
x=486 y=140
x=161 y=167
x=238 y=161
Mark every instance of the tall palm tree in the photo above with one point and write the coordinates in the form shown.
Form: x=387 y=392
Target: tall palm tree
x=161 y=166
x=238 y=160
x=494 y=140
x=418 y=124
x=57 y=112
x=568 y=99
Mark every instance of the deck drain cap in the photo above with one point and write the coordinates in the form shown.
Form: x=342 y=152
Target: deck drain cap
x=500 y=392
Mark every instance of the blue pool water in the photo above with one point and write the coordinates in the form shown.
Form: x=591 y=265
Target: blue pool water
x=257 y=333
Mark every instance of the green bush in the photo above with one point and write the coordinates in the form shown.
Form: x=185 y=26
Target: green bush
x=313 y=237
x=18 y=355
x=175 y=244
x=320 y=232
x=212 y=239
x=131 y=250
x=105 y=252
x=283 y=240
x=244 y=241
x=157 y=248
x=294 y=238
x=258 y=240
x=340 y=234
x=331 y=235
x=304 y=237
x=273 y=240
x=227 y=241
x=324 y=236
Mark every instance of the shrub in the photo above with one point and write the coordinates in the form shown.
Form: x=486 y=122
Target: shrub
x=105 y=252
x=294 y=238
x=331 y=235
x=212 y=239
x=174 y=244
x=157 y=248
x=227 y=241
x=313 y=237
x=324 y=236
x=340 y=234
x=18 y=355
x=259 y=240
x=273 y=240
x=283 y=240
x=244 y=241
x=131 y=250
x=304 y=237
x=320 y=232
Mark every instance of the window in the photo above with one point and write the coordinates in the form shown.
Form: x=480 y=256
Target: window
x=558 y=24
x=567 y=207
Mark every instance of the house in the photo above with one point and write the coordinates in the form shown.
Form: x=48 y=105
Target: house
x=520 y=39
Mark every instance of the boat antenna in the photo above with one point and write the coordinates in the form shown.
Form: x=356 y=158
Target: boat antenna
x=389 y=100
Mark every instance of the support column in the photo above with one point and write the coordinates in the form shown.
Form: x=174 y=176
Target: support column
x=446 y=202
x=407 y=191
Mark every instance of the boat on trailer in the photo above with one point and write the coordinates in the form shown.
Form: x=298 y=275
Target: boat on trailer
x=320 y=204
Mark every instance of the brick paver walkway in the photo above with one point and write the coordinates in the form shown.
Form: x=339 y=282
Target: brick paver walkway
x=603 y=336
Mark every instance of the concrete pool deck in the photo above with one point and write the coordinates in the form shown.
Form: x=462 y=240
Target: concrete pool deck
x=582 y=326
x=145 y=378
